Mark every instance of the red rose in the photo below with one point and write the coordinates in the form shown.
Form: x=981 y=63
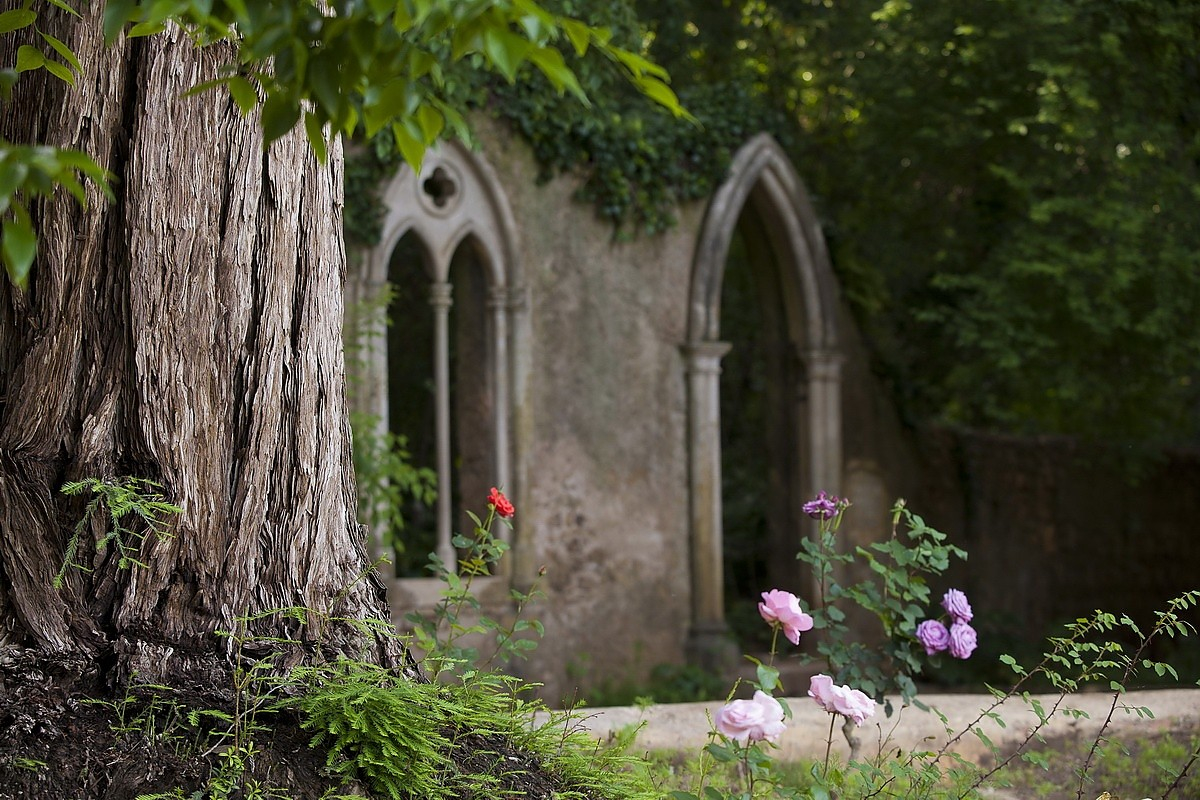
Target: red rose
x=500 y=504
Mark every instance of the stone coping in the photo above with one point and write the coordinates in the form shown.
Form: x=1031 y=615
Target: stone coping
x=685 y=726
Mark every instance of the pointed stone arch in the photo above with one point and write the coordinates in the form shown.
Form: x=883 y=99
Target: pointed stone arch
x=454 y=206
x=761 y=178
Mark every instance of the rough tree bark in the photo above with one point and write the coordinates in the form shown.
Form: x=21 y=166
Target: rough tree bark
x=190 y=333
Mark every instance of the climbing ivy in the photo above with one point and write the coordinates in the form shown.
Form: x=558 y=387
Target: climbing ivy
x=636 y=162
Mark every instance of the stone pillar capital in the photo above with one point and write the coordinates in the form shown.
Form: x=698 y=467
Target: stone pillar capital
x=441 y=295
x=823 y=365
x=704 y=356
x=497 y=298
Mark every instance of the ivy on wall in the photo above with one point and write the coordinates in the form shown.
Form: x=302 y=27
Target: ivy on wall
x=637 y=162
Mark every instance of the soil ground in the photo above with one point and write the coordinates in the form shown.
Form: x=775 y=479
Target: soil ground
x=64 y=737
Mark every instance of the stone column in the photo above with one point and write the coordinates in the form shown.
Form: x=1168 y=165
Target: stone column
x=440 y=298
x=498 y=344
x=824 y=370
x=709 y=644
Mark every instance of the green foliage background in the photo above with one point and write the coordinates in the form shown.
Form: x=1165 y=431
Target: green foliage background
x=1009 y=187
x=1009 y=190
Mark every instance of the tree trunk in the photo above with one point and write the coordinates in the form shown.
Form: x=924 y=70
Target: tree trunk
x=189 y=333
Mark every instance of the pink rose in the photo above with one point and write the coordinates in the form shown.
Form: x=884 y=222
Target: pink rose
x=753 y=720
x=850 y=703
x=956 y=605
x=820 y=688
x=932 y=634
x=783 y=608
x=962 y=640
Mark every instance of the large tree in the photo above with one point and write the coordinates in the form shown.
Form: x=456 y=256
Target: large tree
x=188 y=331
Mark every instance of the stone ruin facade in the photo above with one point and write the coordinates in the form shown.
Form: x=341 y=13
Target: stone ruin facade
x=580 y=370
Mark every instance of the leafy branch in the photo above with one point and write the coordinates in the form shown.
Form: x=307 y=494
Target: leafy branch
x=121 y=497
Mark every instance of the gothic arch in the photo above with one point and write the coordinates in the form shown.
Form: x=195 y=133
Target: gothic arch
x=456 y=205
x=762 y=180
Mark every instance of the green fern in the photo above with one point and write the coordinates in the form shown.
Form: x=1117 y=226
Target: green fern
x=122 y=497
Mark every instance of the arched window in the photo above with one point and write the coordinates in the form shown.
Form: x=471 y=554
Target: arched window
x=760 y=241
x=445 y=369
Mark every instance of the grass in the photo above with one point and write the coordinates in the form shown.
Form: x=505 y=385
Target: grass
x=1134 y=767
x=1127 y=767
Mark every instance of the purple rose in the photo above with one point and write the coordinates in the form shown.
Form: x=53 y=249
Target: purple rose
x=933 y=636
x=823 y=507
x=962 y=640
x=956 y=605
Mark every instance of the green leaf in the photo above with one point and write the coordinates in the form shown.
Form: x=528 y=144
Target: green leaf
x=551 y=63
x=62 y=50
x=431 y=123
x=637 y=65
x=143 y=29
x=721 y=753
x=323 y=78
x=316 y=135
x=579 y=34
x=16 y=19
x=59 y=71
x=384 y=104
x=19 y=246
x=411 y=147
x=537 y=22
x=768 y=678
x=12 y=175
x=117 y=13
x=64 y=7
x=664 y=96
x=243 y=93
x=29 y=57
x=403 y=21
x=72 y=185
x=8 y=79
x=506 y=50
x=279 y=115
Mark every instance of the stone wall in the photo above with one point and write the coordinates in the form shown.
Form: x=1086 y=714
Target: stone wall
x=602 y=432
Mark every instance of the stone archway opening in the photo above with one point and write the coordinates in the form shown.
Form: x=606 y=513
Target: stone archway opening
x=761 y=243
x=463 y=455
x=410 y=396
x=761 y=395
x=448 y=373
